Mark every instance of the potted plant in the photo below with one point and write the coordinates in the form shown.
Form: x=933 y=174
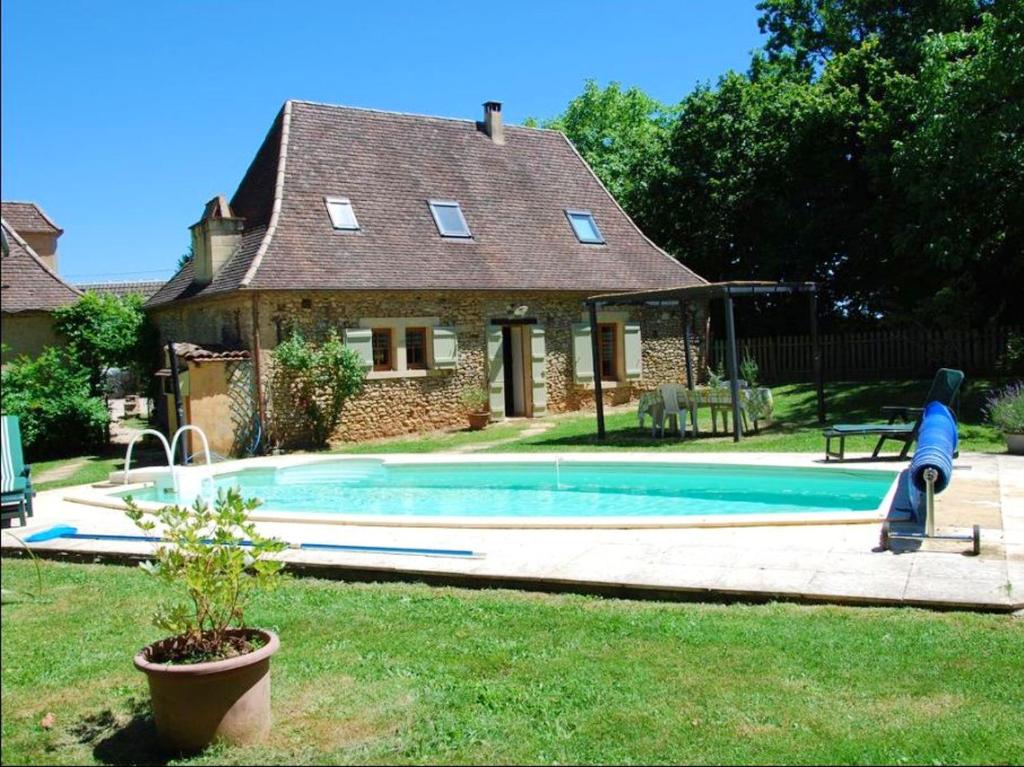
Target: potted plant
x=1006 y=411
x=210 y=678
x=475 y=402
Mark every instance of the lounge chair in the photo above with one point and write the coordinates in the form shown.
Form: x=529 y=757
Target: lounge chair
x=904 y=422
x=15 y=479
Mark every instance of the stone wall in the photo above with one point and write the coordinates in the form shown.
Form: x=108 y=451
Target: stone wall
x=27 y=333
x=391 y=406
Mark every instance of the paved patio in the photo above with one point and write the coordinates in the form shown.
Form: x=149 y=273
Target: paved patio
x=817 y=563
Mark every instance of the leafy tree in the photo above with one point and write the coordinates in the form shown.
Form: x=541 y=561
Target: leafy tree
x=50 y=395
x=622 y=134
x=105 y=331
x=812 y=32
x=185 y=258
x=311 y=385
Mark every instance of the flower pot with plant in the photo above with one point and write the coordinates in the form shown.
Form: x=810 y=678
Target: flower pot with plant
x=475 y=403
x=210 y=678
x=1006 y=411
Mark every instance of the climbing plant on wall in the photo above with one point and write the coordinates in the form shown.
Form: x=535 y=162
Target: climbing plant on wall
x=311 y=383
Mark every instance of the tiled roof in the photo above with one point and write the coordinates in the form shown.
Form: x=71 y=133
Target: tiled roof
x=28 y=218
x=26 y=283
x=143 y=288
x=389 y=165
x=209 y=353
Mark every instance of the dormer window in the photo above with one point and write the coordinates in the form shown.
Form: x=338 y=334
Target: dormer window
x=585 y=227
x=449 y=219
x=343 y=216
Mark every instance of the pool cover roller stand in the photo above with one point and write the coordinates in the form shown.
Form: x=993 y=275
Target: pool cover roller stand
x=930 y=472
x=66 y=531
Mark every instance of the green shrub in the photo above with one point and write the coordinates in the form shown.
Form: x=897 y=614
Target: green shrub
x=311 y=384
x=105 y=331
x=475 y=399
x=749 y=369
x=214 y=575
x=50 y=395
x=1006 y=409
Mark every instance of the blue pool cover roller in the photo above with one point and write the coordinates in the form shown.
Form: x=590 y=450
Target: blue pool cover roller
x=936 y=446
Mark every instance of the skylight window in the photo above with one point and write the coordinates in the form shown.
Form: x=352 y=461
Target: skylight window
x=449 y=219
x=342 y=214
x=585 y=227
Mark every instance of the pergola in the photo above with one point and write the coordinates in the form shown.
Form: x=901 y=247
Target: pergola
x=681 y=298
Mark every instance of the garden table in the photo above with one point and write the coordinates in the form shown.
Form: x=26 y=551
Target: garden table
x=755 y=402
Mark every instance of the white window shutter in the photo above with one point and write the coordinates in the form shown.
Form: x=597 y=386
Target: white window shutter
x=582 y=353
x=633 y=349
x=360 y=340
x=538 y=359
x=495 y=371
x=446 y=347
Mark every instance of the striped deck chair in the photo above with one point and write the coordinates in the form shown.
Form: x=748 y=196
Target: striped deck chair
x=15 y=480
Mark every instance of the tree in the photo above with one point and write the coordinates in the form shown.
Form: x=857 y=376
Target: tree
x=622 y=134
x=105 y=331
x=185 y=258
x=311 y=384
x=50 y=395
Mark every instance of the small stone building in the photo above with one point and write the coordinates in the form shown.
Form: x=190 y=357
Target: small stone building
x=449 y=253
x=30 y=288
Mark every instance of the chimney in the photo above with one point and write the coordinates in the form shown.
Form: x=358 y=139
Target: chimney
x=492 y=122
x=215 y=238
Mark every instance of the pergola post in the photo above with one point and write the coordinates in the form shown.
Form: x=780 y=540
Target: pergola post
x=819 y=376
x=734 y=374
x=595 y=349
x=684 y=309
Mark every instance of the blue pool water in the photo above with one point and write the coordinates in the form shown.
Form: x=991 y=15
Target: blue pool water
x=550 y=489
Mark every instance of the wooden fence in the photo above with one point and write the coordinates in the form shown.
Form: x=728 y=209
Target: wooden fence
x=889 y=353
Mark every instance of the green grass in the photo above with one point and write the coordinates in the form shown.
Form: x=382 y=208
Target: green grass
x=412 y=674
x=94 y=468
x=433 y=443
x=795 y=427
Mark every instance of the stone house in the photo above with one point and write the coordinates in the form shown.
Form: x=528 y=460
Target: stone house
x=30 y=288
x=448 y=253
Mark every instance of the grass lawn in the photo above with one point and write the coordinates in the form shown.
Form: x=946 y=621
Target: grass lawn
x=434 y=443
x=795 y=426
x=411 y=674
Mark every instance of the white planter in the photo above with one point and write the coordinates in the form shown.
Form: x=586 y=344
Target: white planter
x=1015 y=443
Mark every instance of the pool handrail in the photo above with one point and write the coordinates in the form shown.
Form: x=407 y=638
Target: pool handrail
x=131 y=446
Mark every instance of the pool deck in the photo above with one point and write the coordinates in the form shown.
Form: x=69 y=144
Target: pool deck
x=836 y=563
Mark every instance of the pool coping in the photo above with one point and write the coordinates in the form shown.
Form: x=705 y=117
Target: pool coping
x=102 y=494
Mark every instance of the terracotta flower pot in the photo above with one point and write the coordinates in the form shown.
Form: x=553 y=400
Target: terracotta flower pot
x=195 y=704
x=478 y=421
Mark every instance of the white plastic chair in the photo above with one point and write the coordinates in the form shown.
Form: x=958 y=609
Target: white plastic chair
x=671 y=410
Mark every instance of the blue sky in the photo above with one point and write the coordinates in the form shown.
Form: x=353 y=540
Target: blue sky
x=122 y=119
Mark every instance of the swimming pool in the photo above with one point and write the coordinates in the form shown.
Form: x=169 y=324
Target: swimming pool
x=550 y=489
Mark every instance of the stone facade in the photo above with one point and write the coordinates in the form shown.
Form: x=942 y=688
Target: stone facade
x=28 y=333
x=393 y=404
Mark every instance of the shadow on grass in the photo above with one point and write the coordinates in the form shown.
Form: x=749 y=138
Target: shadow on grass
x=121 y=739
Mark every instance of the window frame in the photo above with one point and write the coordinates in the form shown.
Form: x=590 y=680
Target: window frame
x=329 y=200
x=390 y=364
x=570 y=212
x=613 y=327
x=424 y=364
x=434 y=204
